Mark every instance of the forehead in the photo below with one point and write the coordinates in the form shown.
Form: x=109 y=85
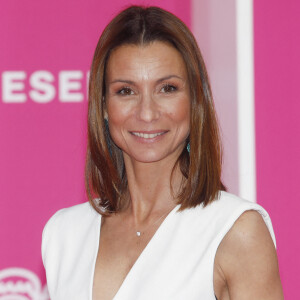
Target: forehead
x=151 y=60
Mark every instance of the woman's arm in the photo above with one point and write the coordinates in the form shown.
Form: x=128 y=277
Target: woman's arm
x=248 y=262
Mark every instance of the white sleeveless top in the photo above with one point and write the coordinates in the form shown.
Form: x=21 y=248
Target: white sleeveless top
x=177 y=263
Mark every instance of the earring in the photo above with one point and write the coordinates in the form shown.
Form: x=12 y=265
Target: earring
x=106 y=124
x=188 y=147
x=107 y=136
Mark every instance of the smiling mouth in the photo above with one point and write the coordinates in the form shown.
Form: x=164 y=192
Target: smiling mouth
x=147 y=135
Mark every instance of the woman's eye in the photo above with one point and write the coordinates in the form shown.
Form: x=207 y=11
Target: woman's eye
x=125 y=91
x=168 y=88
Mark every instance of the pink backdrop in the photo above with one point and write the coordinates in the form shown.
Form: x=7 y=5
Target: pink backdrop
x=277 y=71
x=43 y=116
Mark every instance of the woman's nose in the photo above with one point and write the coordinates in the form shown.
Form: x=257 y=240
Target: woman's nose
x=148 y=109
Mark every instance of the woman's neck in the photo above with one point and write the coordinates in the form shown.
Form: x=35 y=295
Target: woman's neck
x=152 y=187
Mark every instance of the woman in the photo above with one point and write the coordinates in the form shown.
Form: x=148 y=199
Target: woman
x=162 y=225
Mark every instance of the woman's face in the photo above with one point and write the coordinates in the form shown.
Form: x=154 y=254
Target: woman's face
x=148 y=101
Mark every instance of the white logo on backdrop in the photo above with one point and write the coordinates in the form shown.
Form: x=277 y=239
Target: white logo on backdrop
x=21 y=284
x=42 y=86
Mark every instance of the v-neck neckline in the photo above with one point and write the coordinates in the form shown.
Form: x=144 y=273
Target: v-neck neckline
x=137 y=261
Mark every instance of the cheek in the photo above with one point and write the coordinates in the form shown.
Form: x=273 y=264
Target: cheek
x=181 y=111
x=118 y=114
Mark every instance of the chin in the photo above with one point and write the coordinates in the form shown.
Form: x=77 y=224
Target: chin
x=145 y=156
x=152 y=156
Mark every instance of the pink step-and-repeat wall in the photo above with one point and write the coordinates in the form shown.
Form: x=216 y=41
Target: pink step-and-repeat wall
x=277 y=92
x=46 y=51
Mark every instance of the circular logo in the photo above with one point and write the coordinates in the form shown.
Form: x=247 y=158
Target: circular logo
x=21 y=284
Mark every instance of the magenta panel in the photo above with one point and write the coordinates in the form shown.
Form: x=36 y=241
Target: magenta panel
x=277 y=71
x=46 y=51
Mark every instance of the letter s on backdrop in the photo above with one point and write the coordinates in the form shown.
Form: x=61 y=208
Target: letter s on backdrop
x=43 y=91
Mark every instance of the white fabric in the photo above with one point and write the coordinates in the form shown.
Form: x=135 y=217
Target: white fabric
x=177 y=263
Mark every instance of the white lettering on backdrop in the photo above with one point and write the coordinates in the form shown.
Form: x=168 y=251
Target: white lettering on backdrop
x=40 y=87
x=21 y=284
x=12 y=86
x=43 y=90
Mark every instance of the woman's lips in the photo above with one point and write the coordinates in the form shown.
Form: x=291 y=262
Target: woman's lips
x=148 y=135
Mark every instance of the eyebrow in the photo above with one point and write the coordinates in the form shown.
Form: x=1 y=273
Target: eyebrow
x=158 y=81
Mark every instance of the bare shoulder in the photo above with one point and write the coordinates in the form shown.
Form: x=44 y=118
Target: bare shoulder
x=250 y=231
x=248 y=260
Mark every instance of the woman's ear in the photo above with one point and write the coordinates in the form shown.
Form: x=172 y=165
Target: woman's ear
x=105 y=115
x=104 y=109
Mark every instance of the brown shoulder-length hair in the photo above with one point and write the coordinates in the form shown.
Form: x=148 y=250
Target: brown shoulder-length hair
x=105 y=171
